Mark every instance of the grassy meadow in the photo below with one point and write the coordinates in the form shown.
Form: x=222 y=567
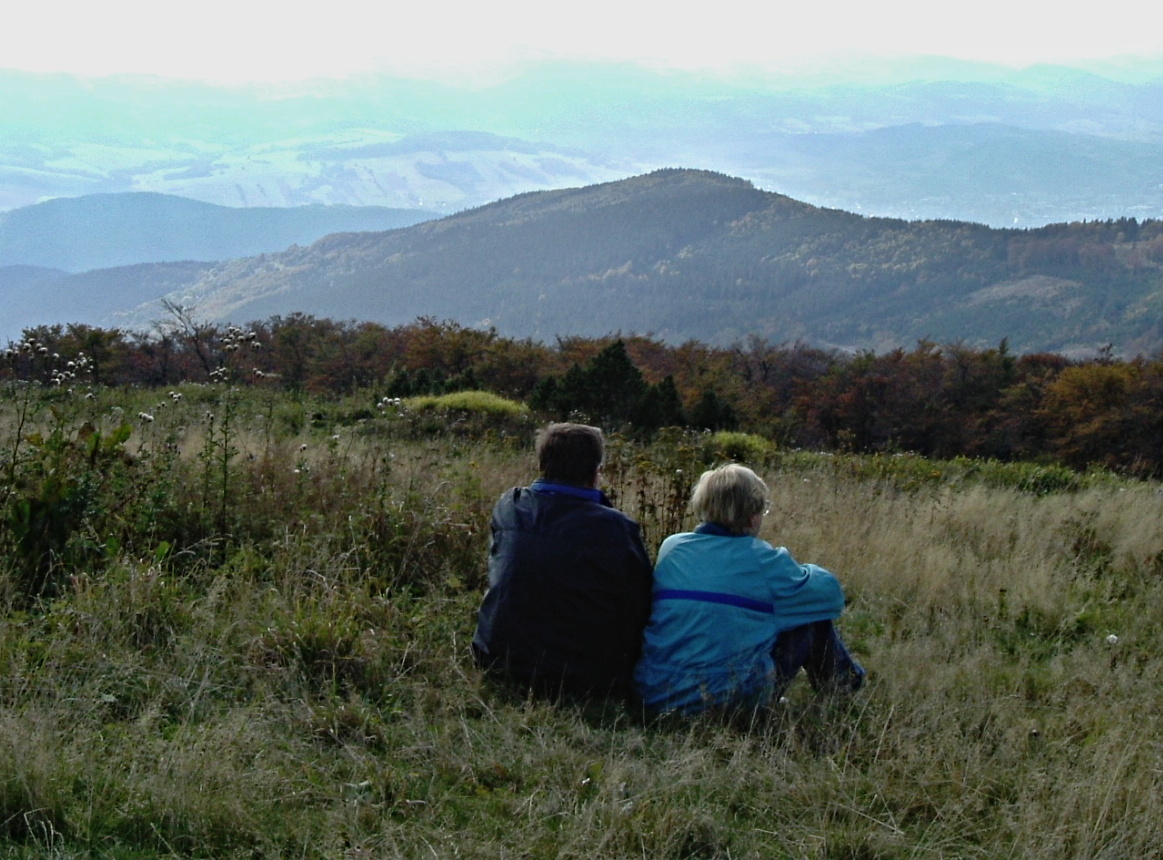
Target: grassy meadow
x=237 y=625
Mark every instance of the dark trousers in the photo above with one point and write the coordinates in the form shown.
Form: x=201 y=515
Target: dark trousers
x=818 y=649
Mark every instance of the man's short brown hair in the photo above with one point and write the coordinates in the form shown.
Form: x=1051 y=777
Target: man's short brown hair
x=570 y=453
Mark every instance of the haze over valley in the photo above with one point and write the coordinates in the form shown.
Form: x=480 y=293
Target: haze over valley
x=921 y=139
x=854 y=197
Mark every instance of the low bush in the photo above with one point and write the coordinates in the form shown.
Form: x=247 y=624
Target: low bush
x=477 y=402
x=746 y=448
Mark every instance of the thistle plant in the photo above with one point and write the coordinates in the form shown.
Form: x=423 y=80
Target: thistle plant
x=217 y=454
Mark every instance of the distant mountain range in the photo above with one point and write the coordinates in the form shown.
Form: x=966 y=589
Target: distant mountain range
x=101 y=231
x=927 y=139
x=683 y=254
x=136 y=247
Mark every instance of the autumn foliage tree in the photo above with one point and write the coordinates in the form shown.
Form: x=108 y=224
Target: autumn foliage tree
x=937 y=400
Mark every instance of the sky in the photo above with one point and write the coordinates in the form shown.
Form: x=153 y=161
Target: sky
x=237 y=41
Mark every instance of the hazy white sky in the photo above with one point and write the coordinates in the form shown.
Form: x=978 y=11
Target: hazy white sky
x=241 y=40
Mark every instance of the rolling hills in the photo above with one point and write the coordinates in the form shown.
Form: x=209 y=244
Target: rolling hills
x=688 y=254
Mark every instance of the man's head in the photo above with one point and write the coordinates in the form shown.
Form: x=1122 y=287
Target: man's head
x=731 y=496
x=570 y=453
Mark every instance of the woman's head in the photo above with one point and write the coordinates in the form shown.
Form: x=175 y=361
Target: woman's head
x=731 y=496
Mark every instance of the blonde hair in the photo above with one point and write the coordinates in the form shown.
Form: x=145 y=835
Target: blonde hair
x=729 y=496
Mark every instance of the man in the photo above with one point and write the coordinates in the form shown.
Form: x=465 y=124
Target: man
x=569 y=578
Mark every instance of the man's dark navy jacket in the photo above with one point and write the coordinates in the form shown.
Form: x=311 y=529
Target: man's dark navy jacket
x=569 y=591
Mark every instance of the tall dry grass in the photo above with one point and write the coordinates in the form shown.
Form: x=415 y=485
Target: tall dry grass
x=293 y=678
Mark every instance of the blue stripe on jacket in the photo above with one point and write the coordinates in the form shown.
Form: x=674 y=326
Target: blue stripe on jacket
x=715 y=597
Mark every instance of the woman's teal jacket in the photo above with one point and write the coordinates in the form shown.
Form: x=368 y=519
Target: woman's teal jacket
x=719 y=601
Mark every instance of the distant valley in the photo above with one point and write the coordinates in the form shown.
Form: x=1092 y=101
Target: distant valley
x=931 y=139
x=934 y=199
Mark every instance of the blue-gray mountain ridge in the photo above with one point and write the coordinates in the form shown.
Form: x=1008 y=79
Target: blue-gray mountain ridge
x=689 y=254
x=101 y=231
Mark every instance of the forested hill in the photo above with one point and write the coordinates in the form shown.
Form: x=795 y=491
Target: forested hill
x=687 y=254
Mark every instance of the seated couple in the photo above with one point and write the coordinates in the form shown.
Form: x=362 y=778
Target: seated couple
x=723 y=620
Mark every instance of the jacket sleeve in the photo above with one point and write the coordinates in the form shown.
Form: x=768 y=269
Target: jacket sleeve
x=802 y=593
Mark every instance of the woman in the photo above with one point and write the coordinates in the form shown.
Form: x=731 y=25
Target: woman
x=734 y=619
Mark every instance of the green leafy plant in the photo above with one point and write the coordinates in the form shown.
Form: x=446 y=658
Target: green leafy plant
x=57 y=514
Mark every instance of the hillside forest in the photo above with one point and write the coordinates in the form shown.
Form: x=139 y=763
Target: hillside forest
x=693 y=255
x=936 y=400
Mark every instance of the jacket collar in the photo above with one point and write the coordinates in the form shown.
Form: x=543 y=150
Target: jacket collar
x=716 y=530
x=587 y=493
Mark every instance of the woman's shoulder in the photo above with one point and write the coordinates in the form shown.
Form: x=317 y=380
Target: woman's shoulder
x=697 y=545
x=758 y=544
x=768 y=555
x=674 y=540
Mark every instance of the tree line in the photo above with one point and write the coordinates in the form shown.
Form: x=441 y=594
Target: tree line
x=936 y=400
